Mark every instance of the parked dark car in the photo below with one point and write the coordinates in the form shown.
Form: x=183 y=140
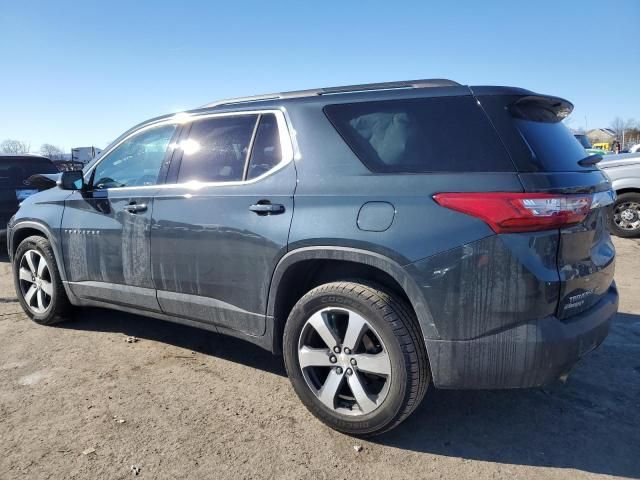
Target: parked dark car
x=381 y=237
x=15 y=170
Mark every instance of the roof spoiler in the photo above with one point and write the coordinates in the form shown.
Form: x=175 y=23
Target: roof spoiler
x=541 y=108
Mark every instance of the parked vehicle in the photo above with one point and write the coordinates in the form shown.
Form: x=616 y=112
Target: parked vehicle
x=604 y=146
x=15 y=170
x=584 y=141
x=66 y=165
x=624 y=172
x=381 y=237
x=84 y=154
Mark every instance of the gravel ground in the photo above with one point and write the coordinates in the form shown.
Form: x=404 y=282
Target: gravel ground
x=78 y=401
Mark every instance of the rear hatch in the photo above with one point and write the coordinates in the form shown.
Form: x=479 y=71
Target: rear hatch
x=551 y=161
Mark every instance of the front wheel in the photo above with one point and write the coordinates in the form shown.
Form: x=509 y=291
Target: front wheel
x=355 y=358
x=37 y=281
x=625 y=221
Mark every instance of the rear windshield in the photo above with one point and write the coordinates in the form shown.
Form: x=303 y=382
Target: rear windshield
x=553 y=144
x=14 y=171
x=442 y=134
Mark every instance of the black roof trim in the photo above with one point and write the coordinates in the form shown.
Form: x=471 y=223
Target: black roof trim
x=365 y=87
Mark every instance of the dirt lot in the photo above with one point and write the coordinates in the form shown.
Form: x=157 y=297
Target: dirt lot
x=186 y=403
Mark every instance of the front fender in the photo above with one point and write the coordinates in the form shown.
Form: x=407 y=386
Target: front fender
x=15 y=231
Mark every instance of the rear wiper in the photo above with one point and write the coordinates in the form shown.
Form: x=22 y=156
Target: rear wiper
x=590 y=160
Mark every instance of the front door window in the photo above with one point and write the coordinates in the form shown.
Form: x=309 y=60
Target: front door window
x=136 y=162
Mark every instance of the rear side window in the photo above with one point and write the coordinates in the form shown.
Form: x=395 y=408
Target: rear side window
x=443 y=134
x=217 y=149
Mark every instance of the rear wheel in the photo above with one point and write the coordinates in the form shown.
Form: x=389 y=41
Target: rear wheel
x=625 y=221
x=37 y=281
x=355 y=358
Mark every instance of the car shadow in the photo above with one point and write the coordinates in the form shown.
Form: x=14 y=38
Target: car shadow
x=591 y=423
x=190 y=338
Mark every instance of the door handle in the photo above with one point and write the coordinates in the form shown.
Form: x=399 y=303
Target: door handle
x=136 y=207
x=267 y=208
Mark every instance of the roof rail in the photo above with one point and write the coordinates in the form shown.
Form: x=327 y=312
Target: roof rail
x=365 y=87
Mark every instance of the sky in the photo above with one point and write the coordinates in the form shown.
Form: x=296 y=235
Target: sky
x=80 y=73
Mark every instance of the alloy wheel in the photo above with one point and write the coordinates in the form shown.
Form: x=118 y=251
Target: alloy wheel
x=344 y=361
x=35 y=281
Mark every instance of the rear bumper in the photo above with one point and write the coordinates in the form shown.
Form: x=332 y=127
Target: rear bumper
x=527 y=355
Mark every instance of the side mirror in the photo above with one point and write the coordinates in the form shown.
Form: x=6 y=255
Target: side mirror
x=71 y=180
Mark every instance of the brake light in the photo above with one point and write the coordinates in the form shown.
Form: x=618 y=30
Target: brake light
x=519 y=212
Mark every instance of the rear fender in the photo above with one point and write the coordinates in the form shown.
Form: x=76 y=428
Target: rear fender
x=378 y=261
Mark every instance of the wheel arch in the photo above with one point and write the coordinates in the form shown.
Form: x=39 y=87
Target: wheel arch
x=27 y=228
x=620 y=191
x=305 y=268
x=22 y=230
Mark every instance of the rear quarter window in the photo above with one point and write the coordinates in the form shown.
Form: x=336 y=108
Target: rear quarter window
x=443 y=134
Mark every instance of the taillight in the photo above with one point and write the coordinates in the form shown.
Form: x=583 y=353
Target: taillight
x=519 y=212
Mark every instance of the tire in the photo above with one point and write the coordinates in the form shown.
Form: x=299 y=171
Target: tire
x=389 y=345
x=625 y=219
x=48 y=304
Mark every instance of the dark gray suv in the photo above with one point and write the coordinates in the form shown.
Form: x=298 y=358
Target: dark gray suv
x=381 y=237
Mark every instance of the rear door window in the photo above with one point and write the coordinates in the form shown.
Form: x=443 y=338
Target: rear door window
x=217 y=149
x=442 y=134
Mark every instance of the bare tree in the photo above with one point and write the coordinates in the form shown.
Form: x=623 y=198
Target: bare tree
x=51 y=151
x=14 y=146
x=620 y=127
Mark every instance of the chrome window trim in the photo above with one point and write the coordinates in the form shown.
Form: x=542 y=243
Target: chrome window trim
x=287 y=147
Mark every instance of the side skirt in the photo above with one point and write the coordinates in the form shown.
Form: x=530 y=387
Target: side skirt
x=263 y=341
